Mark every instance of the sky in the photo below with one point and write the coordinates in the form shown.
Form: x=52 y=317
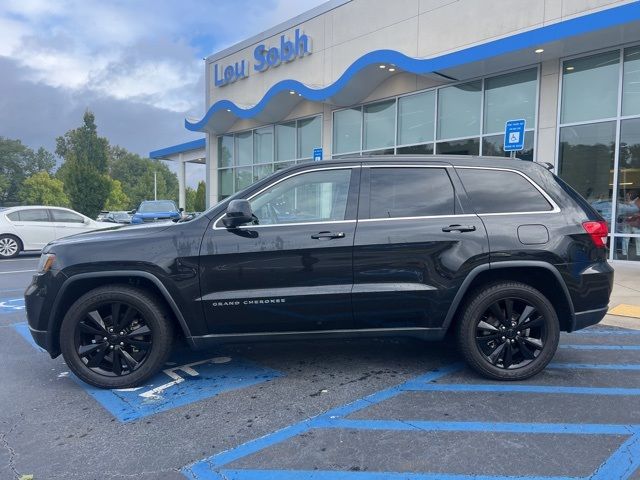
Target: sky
x=138 y=65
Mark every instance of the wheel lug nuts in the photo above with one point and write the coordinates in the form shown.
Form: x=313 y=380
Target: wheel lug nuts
x=504 y=338
x=121 y=333
x=517 y=333
x=111 y=347
x=104 y=338
x=122 y=344
x=93 y=341
x=513 y=341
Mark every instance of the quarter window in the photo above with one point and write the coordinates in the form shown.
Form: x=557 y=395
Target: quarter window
x=499 y=191
x=410 y=192
x=319 y=196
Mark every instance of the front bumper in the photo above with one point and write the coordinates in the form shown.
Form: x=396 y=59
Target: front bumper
x=589 y=317
x=39 y=300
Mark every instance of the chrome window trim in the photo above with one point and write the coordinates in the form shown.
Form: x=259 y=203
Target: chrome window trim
x=382 y=219
x=555 y=208
x=346 y=167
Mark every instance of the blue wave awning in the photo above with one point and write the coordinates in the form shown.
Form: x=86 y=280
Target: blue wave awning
x=609 y=27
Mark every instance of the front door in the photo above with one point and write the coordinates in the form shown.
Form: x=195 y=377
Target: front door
x=414 y=246
x=291 y=270
x=67 y=222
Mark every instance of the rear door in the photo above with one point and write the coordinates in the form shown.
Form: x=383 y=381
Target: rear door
x=34 y=227
x=414 y=245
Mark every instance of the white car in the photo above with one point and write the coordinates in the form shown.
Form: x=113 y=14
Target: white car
x=31 y=228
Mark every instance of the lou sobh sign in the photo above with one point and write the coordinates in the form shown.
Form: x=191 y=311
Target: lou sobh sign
x=265 y=58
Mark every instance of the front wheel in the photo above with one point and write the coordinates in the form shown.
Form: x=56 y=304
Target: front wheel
x=508 y=331
x=116 y=336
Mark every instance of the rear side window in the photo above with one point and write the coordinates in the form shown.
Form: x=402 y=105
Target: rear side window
x=499 y=191
x=410 y=192
x=34 y=215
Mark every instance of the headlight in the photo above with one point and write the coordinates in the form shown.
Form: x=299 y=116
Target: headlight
x=46 y=262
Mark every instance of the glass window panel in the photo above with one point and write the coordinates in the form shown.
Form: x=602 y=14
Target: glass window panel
x=225 y=151
x=285 y=141
x=410 y=192
x=225 y=182
x=380 y=125
x=386 y=151
x=590 y=87
x=510 y=97
x=494 y=145
x=34 y=215
x=496 y=191
x=347 y=129
x=244 y=178
x=416 y=118
x=244 y=148
x=262 y=171
x=470 y=146
x=586 y=162
x=309 y=197
x=628 y=198
x=459 y=110
x=263 y=145
x=309 y=136
x=65 y=216
x=425 y=149
x=631 y=82
x=283 y=165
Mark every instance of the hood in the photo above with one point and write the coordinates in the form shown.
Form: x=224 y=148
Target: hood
x=112 y=232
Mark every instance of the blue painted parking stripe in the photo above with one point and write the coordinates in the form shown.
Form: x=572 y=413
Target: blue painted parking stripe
x=606 y=331
x=338 y=475
x=623 y=463
x=594 y=366
x=422 y=425
x=600 y=347
x=436 y=387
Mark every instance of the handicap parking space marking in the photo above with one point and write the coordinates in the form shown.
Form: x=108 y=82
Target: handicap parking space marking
x=621 y=464
x=11 y=305
x=188 y=378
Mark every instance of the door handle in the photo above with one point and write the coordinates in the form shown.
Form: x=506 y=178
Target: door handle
x=459 y=228
x=328 y=235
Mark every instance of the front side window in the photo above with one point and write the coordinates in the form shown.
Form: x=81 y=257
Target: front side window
x=319 y=196
x=66 y=217
x=410 y=192
x=500 y=191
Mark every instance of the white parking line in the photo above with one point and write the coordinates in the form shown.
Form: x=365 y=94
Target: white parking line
x=17 y=271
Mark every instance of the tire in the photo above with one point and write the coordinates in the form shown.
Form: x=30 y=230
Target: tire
x=123 y=357
x=10 y=246
x=505 y=346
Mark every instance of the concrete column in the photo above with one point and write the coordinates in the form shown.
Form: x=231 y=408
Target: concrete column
x=182 y=203
x=211 y=170
x=547 y=150
x=326 y=131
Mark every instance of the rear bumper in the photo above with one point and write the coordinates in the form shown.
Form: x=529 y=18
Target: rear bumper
x=588 y=318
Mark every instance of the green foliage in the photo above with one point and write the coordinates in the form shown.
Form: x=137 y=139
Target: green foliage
x=190 y=199
x=85 y=167
x=17 y=162
x=136 y=175
x=117 y=199
x=201 y=197
x=42 y=189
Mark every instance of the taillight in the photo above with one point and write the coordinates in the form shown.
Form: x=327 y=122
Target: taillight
x=598 y=232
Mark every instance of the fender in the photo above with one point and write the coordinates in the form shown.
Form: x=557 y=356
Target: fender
x=497 y=266
x=120 y=273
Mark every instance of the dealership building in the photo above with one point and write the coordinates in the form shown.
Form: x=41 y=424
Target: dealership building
x=406 y=77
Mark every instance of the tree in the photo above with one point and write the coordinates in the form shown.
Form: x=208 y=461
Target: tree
x=41 y=189
x=190 y=199
x=17 y=162
x=201 y=197
x=117 y=199
x=85 y=166
x=136 y=175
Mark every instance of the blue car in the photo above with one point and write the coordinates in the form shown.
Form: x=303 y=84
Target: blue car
x=155 y=211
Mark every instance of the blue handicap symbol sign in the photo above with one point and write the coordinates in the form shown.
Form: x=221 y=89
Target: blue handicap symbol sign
x=11 y=305
x=514 y=135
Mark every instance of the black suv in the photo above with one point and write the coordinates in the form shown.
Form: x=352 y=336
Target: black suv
x=500 y=251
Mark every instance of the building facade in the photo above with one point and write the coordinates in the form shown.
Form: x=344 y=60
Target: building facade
x=368 y=77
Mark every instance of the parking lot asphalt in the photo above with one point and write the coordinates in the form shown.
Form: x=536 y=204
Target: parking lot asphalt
x=357 y=409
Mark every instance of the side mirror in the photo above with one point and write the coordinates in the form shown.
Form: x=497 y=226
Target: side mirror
x=181 y=209
x=238 y=213
x=133 y=211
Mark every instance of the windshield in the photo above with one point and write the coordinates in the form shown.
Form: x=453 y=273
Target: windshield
x=159 y=206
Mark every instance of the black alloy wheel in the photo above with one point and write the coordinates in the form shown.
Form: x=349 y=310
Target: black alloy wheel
x=508 y=331
x=116 y=336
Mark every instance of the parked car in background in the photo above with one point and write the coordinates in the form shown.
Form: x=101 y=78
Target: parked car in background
x=31 y=228
x=117 y=217
x=101 y=215
x=155 y=211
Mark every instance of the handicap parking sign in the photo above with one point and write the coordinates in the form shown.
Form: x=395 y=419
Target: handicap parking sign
x=11 y=305
x=514 y=135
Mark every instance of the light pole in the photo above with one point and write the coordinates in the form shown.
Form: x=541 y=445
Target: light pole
x=155 y=185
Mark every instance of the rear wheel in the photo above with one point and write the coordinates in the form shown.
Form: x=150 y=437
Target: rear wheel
x=508 y=331
x=10 y=246
x=116 y=336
